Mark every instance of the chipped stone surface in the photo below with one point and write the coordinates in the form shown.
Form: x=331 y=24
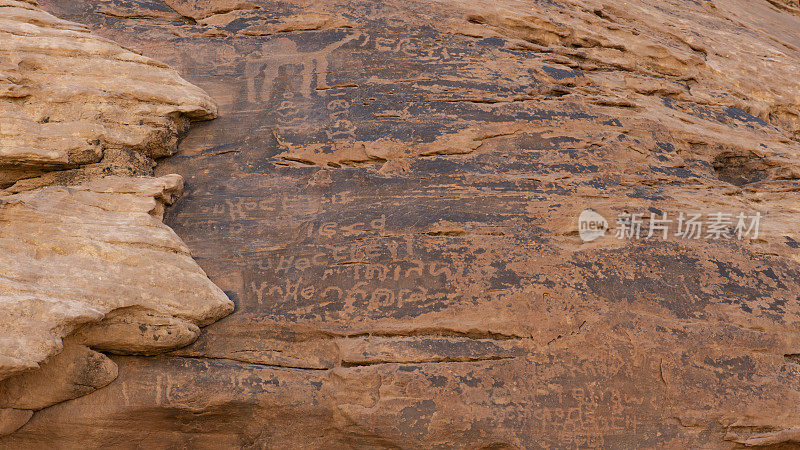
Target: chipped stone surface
x=65 y=103
x=74 y=372
x=86 y=262
x=73 y=254
x=390 y=196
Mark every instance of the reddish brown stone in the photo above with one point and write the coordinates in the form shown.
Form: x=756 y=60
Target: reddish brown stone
x=390 y=196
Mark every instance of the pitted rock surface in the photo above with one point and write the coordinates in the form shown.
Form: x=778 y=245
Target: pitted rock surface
x=390 y=196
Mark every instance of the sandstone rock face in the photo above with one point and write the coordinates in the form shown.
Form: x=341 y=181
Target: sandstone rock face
x=390 y=195
x=53 y=70
x=74 y=254
x=87 y=263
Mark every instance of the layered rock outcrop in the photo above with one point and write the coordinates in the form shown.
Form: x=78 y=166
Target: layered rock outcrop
x=391 y=195
x=86 y=263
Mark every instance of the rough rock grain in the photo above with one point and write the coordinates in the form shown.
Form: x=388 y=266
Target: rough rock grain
x=65 y=102
x=390 y=195
x=86 y=262
x=71 y=255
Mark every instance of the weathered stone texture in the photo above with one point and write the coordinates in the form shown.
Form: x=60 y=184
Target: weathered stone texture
x=85 y=259
x=69 y=95
x=390 y=196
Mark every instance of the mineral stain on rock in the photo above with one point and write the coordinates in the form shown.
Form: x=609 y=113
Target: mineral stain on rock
x=390 y=194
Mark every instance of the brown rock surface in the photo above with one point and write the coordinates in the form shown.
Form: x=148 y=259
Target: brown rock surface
x=74 y=372
x=390 y=196
x=83 y=249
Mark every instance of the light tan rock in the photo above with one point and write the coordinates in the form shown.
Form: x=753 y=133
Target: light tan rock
x=82 y=248
x=69 y=95
x=136 y=330
x=71 y=255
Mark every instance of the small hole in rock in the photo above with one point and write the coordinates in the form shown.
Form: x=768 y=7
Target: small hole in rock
x=741 y=169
